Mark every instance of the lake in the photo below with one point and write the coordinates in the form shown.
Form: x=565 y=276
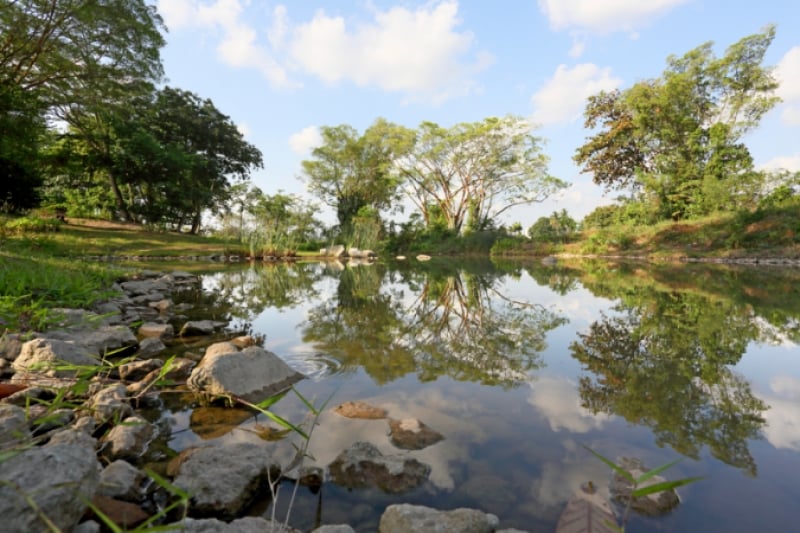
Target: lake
x=522 y=366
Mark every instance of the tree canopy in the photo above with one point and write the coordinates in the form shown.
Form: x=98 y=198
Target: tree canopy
x=676 y=141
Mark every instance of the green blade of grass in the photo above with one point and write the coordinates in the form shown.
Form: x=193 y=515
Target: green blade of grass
x=613 y=466
x=650 y=473
x=665 y=485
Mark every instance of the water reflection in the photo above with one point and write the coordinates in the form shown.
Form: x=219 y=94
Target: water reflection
x=438 y=321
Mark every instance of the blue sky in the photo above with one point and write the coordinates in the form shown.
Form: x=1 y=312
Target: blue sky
x=281 y=70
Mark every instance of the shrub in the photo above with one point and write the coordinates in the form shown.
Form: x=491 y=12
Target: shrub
x=33 y=224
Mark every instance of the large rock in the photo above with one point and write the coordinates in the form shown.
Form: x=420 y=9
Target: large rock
x=200 y=327
x=42 y=355
x=128 y=440
x=363 y=465
x=359 y=409
x=652 y=504
x=411 y=434
x=164 y=332
x=224 y=479
x=253 y=374
x=107 y=340
x=123 y=481
x=109 y=403
x=401 y=518
x=248 y=524
x=13 y=426
x=59 y=479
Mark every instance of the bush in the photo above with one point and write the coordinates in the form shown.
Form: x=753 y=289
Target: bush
x=33 y=224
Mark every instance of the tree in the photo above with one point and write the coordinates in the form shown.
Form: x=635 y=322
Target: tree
x=558 y=227
x=473 y=172
x=22 y=124
x=350 y=171
x=676 y=141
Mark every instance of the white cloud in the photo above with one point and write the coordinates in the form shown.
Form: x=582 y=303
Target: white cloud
x=604 y=17
x=244 y=129
x=783 y=416
x=790 y=163
x=557 y=399
x=305 y=140
x=417 y=51
x=563 y=96
x=788 y=74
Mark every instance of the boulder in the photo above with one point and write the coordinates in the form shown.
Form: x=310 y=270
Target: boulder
x=59 y=479
x=99 y=341
x=140 y=287
x=13 y=426
x=248 y=524
x=128 y=440
x=200 y=327
x=653 y=504
x=123 y=481
x=411 y=434
x=41 y=355
x=334 y=528
x=420 y=519
x=363 y=465
x=336 y=250
x=253 y=374
x=359 y=409
x=150 y=346
x=224 y=479
x=219 y=348
x=423 y=257
x=136 y=370
x=10 y=346
x=110 y=403
x=164 y=332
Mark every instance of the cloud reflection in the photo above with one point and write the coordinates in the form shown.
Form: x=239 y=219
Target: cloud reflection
x=783 y=416
x=558 y=400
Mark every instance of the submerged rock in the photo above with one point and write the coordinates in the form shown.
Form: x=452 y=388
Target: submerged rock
x=411 y=434
x=653 y=504
x=363 y=465
x=420 y=519
x=359 y=409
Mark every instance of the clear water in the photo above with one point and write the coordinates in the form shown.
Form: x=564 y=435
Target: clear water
x=520 y=366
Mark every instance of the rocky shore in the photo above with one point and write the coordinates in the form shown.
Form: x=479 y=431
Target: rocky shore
x=74 y=433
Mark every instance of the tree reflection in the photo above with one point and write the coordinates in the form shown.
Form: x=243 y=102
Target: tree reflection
x=664 y=363
x=436 y=321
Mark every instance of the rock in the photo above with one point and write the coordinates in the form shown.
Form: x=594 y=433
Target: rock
x=359 y=409
x=411 y=434
x=108 y=340
x=224 y=479
x=243 y=341
x=150 y=347
x=60 y=479
x=363 y=465
x=126 y=515
x=423 y=257
x=128 y=440
x=199 y=327
x=653 y=504
x=41 y=355
x=136 y=370
x=74 y=436
x=13 y=426
x=219 y=348
x=163 y=332
x=420 y=519
x=28 y=395
x=137 y=288
x=211 y=422
x=10 y=346
x=401 y=258
x=122 y=481
x=248 y=524
x=162 y=306
x=89 y=526
x=50 y=420
x=311 y=476
x=253 y=374
x=338 y=528
x=337 y=250
x=110 y=403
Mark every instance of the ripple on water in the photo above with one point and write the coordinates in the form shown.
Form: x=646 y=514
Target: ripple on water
x=316 y=366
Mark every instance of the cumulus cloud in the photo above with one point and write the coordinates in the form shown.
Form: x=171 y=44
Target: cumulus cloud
x=788 y=74
x=421 y=52
x=604 y=17
x=563 y=96
x=783 y=416
x=557 y=399
x=790 y=163
x=305 y=140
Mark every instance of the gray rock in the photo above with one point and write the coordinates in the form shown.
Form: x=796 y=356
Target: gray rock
x=363 y=465
x=253 y=374
x=136 y=370
x=100 y=341
x=219 y=348
x=652 y=504
x=41 y=355
x=123 y=481
x=224 y=479
x=337 y=250
x=411 y=434
x=13 y=426
x=128 y=440
x=109 y=403
x=59 y=478
x=200 y=327
x=10 y=346
x=165 y=332
x=140 y=287
x=248 y=524
x=75 y=437
x=150 y=346
x=89 y=526
x=337 y=528
x=401 y=518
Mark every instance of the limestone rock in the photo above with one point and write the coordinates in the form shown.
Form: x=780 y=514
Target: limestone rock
x=248 y=524
x=163 y=332
x=123 y=481
x=199 y=327
x=13 y=426
x=253 y=374
x=150 y=346
x=110 y=402
x=136 y=370
x=40 y=355
x=223 y=479
x=128 y=440
x=420 y=519
x=219 y=348
x=363 y=465
x=359 y=409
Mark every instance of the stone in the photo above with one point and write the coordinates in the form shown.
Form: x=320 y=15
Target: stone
x=10 y=346
x=13 y=426
x=123 y=481
x=150 y=346
x=199 y=327
x=363 y=465
x=219 y=348
x=411 y=434
x=162 y=306
x=423 y=257
x=136 y=370
x=253 y=374
x=248 y=524
x=163 y=332
x=243 y=341
x=89 y=526
x=110 y=403
x=108 y=340
x=652 y=504
x=401 y=518
x=140 y=287
x=128 y=440
x=336 y=250
x=334 y=528
x=223 y=479
x=41 y=355
x=359 y=409
x=60 y=479
x=73 y=436
x=125 y=515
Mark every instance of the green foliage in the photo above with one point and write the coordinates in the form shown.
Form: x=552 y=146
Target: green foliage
x=675 y=141
x=33 y=224
x=558 y=227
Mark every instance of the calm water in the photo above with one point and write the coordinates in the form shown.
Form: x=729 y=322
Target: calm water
x=520 y=366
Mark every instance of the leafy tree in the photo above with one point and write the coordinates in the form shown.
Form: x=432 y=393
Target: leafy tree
x=22 y=124
x=676 y=141
x=350 y=171
x=473 y=172
x=558 y=227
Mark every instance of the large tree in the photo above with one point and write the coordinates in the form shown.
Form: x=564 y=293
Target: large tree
x=675 y=142
x=471 y=173
x=351 y=171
